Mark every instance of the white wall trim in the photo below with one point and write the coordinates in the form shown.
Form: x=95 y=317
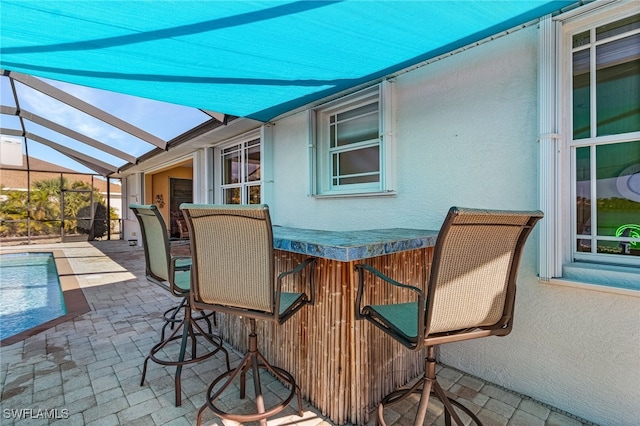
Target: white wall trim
x=266 y=164
x=200 y=176
x=591 y=287
x=550 y=258
x=388 y=126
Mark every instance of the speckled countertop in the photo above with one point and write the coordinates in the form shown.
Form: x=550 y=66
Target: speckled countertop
x=351 y=245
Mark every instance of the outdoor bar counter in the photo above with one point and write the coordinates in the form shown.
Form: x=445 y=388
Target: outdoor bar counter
x=344 y=367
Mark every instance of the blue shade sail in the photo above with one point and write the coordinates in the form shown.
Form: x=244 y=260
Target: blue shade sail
x=255 y=59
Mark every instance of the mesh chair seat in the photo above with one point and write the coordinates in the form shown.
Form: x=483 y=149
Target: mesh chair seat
x=183 y=264
x=182 y=281
x=289 y=301
x=402 y=318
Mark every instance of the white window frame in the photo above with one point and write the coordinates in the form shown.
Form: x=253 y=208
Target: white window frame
x=218 y=153
x=593 y=140
x=321 y=175
x=557 y=190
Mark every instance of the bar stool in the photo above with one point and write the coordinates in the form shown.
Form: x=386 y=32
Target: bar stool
x=174 y=275
x=233 y=272
x=470 y=294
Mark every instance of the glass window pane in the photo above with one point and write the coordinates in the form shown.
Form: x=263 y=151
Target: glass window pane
x=618 y=188
x=242 y=171
x=357 y=125
x=582 y=39
x=629 y=231
x=231 y=168
x=333 y=129
x=618 y=86
x=252 y=164
x=609 y=247
x=581 y=95
x=360 y=179
x=584 y=246
x=355 y=112
x=619 y=27
x=357 y=130
x=231 y=195
x=583 y=191
x=364 y=160
x=253 y=194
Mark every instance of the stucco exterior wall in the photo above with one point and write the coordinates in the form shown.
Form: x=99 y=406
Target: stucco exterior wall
x=467 y=135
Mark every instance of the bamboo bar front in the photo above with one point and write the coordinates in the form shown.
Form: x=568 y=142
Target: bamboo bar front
x=344 y=367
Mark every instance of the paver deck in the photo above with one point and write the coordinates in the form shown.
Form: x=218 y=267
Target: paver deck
x=86 y=371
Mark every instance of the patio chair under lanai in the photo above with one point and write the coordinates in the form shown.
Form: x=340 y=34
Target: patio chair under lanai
x=174 y=275
x=470 y=294
x=240 y=280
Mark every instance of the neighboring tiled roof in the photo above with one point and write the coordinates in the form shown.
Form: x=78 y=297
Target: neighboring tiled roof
x=14 y=177
x=39 y=165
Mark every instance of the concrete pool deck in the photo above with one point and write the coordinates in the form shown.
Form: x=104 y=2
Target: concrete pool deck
x=88 y=368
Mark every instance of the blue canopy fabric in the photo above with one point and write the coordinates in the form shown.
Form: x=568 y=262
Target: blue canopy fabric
x=255 y=59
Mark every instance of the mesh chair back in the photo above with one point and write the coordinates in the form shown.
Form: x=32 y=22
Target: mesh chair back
x=232 y=251
x=474 y=269
x=155 y=240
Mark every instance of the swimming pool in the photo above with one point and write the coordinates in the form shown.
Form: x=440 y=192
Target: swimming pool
x=30 y=292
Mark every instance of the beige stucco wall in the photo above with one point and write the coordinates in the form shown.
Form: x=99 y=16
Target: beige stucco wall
x=467 y=135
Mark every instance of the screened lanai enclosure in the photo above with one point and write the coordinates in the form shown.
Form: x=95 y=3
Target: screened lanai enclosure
x=62 y=149
x=40 y=202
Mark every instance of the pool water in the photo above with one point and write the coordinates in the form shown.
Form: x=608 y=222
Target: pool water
x=30 y=292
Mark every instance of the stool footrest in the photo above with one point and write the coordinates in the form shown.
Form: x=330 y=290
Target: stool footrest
x=255 y=362
x=173 y=316
x=426 y=387
x=190 y=330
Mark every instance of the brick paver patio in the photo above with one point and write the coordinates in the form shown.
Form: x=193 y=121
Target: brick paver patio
x=86 y=371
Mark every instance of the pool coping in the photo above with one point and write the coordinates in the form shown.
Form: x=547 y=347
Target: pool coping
x=74 y=299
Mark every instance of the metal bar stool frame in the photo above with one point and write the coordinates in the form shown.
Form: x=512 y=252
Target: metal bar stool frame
x=230 y=288
x=173 y=273
x=470 y=294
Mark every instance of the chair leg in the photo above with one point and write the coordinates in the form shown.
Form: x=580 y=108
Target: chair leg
x=424 y=403
x=397 y=396
x=257 y=389
x=183 y=348
x=243 y=381
x=427 y=385
x=187 y=326
x=170 y=317
x=254 y=361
